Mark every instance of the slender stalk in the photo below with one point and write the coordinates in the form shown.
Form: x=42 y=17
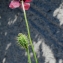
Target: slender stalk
x=28 y=53
x=29 y=36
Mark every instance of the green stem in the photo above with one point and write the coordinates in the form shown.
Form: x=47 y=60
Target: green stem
x=29 y=36
x=28 y=53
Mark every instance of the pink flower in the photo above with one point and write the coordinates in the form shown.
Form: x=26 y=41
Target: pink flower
x=16 y=4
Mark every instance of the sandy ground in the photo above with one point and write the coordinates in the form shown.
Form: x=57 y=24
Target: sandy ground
x=46 y=25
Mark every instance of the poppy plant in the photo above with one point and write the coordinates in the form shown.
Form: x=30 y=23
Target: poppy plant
x=17 y=4
x=23 y=40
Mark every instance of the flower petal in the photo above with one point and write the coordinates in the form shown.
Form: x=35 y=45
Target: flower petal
x=14 y=4
x=26 y=6
x=28 y=0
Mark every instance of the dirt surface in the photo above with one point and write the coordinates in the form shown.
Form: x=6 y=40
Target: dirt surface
x=46 y=32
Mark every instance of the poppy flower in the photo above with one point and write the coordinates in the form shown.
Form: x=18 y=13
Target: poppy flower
x=17 y=4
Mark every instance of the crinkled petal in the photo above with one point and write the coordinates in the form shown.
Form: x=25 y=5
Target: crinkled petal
x=14 y=4
x=26 y=6
x=28 y=1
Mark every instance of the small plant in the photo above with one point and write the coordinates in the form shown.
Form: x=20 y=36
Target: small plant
x=24 y=43
x=23 y=40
